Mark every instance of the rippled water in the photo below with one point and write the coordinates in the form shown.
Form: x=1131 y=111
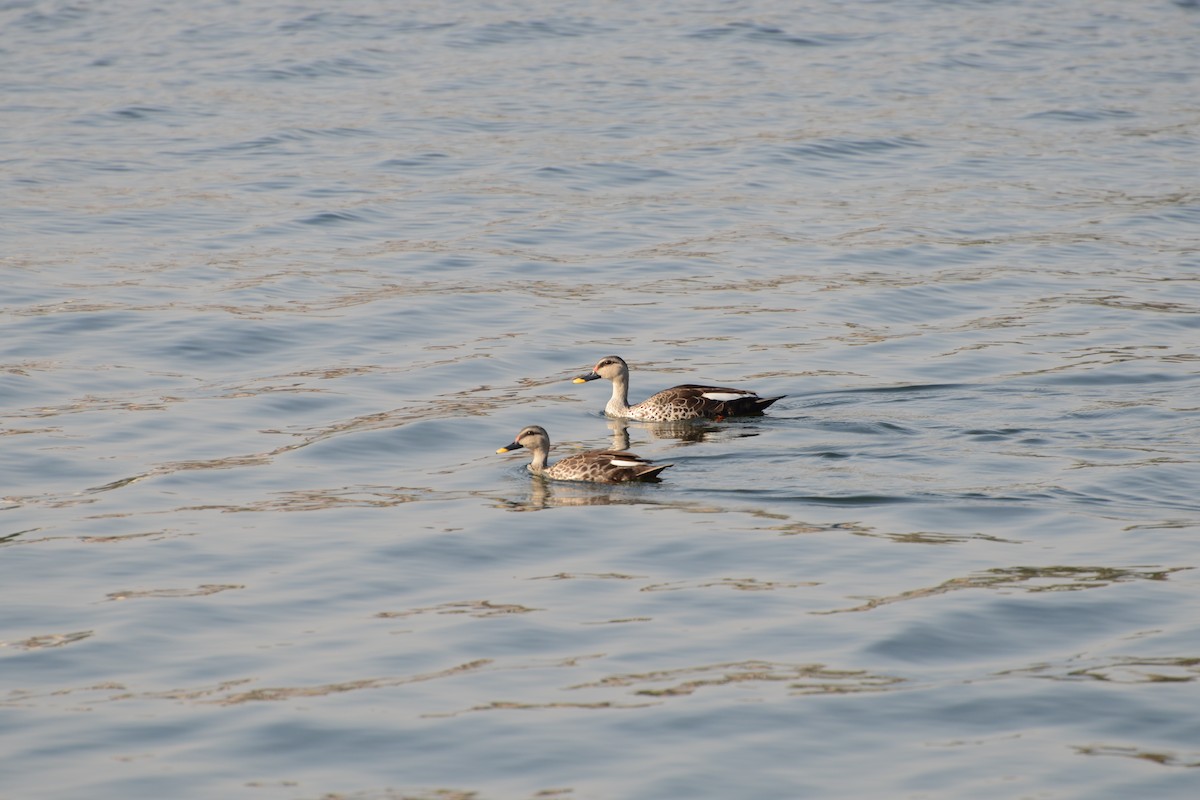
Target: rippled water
x=280 y=278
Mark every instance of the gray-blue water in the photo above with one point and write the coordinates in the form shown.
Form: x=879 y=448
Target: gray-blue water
x=279 y=278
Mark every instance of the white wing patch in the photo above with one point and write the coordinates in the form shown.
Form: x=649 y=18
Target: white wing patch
x=624 y=462
x=724 y=397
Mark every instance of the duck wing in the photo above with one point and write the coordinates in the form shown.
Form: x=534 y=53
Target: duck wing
x=693 y=401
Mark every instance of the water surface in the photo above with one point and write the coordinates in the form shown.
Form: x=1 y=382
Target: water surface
x=280 y=278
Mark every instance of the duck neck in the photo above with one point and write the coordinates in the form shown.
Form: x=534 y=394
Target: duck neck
x=618 y=404
x=539 y=459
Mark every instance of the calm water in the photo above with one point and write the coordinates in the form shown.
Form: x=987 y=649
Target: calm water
x=280 y=277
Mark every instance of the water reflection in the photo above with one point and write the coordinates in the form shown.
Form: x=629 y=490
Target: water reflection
x=202 y=590
x=1032 y=579
x=42 y=641
x=800 y=678
x=473 y=608
x=1165 y=758
x=545 y=493
x=682 y=431
x=741 y=584
x=1121 y=669
x=796 y=679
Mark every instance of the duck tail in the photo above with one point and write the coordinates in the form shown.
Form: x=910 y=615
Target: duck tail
x=761 y=403
x=651 y=473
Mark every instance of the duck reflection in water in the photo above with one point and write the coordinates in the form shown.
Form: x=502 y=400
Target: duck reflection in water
x=683 y=431
x=544 y=493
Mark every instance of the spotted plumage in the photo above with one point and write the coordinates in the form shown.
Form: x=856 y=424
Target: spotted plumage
x=596 y=466
x=677 y=403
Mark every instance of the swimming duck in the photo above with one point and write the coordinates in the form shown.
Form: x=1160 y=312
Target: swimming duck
x=597 y=466
x=679 y=402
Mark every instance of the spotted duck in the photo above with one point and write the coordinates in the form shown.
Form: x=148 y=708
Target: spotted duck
x=596 y=466
x=688 y=401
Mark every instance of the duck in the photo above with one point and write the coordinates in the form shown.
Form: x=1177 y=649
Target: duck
x=688 y=401
x=595 y=466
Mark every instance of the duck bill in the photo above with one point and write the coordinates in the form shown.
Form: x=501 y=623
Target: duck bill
x=507 y=447
x=591 y=376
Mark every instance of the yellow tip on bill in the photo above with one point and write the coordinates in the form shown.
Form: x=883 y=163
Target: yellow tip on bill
x=502 y=450
x=579 y=380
